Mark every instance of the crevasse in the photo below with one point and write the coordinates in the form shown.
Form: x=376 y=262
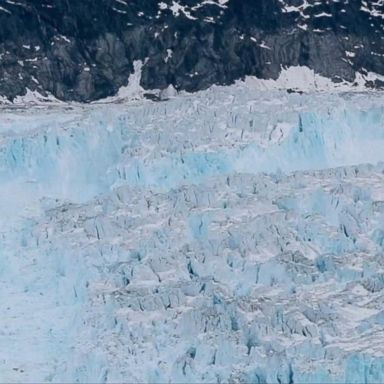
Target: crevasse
x=226 y=236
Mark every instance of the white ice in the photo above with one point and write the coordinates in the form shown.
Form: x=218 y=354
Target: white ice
x=226 y=236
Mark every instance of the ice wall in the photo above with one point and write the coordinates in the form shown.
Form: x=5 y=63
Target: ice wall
x=226 y=236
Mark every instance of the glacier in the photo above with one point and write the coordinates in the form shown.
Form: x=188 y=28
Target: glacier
x=226 y=236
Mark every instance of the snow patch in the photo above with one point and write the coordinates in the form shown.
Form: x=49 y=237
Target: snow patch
x=133 y=91
x=305 y=79
x=31 y=97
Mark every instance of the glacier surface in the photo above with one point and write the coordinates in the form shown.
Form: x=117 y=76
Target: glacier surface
x=226 y=236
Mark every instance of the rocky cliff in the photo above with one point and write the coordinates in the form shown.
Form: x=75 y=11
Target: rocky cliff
x=84 y=50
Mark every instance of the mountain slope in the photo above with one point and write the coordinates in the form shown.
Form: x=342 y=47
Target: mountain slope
x=84 y=50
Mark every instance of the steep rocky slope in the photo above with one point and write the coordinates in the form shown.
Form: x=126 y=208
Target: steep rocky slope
x=84 y=50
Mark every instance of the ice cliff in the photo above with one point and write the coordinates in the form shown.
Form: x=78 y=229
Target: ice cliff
x=225 y=236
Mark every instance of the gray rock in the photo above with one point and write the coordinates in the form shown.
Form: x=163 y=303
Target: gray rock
x=84 y=50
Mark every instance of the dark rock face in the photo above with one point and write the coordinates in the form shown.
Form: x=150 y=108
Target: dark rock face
x=84 y=50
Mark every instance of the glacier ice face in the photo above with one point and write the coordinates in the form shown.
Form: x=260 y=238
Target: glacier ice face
x=226 y=236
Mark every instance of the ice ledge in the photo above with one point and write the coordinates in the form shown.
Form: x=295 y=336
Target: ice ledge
x=304 y=79
x=296 y=78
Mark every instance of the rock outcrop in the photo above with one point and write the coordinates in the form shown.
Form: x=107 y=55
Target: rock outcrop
x=84 y=50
